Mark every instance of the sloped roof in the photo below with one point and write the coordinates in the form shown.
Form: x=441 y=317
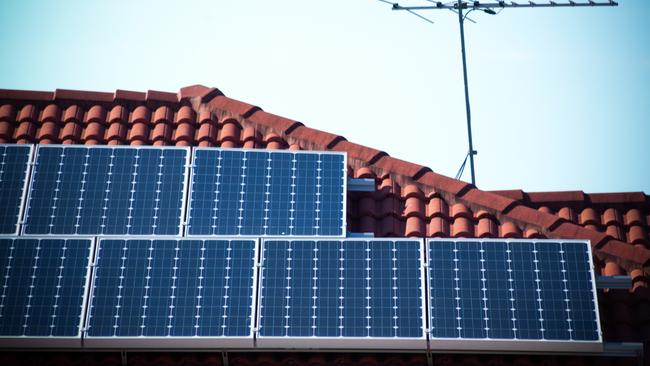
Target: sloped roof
x=411 y=200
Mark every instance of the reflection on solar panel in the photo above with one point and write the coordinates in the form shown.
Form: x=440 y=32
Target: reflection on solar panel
x=14 y=168
x=42 y=293
x=522 y=290
x=82 y=190
x=265 y=193
x=350 y=293
x=176 y=292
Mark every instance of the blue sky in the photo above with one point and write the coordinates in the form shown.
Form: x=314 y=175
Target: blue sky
x=560 y=97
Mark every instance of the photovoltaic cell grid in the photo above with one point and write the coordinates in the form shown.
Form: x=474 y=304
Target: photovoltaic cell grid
x=14 y=169
x=43 y=284
x=172 y=288
x=81 y=190
x=528 y=290
x=265 y=193
x=341 y=288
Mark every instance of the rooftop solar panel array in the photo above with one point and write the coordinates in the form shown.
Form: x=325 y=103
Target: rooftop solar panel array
x=14 y=169
x=82 y=190
x=42 y=291
x=519 y=291
x=316 y=289
x=267 y=193
x=146 y=291
x=347 y=293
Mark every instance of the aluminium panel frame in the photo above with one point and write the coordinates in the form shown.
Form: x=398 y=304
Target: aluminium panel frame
x=493 y=345
x=19 y=342
x=345 y=343
x=267 y=151
x=174 y=342
x=184 y=201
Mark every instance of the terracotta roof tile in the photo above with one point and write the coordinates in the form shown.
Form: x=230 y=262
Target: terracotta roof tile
x=233 y=107
x=314 y=139
x=68 y=94
x=365 y=154
x=130 y=95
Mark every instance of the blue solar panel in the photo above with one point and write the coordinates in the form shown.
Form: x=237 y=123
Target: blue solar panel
x=83 y=190
x=14 y=169
x=43 y=286
x=267 y=193
x=520 y=290
x=153 y=290
x=342 y=293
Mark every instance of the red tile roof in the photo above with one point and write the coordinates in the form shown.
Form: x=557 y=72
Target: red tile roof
x=411 y=200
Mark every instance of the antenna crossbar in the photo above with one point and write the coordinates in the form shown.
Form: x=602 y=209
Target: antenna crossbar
x=477 y=5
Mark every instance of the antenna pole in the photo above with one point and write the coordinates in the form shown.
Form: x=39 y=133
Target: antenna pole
x=488 y=7
x=468 y=113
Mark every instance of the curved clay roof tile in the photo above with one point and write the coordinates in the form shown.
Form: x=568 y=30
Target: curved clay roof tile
x=96 y=114
x=51 y=113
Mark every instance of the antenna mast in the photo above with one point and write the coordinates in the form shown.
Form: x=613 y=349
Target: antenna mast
x=463 y=8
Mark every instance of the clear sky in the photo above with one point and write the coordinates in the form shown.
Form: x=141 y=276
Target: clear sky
x=560 y=97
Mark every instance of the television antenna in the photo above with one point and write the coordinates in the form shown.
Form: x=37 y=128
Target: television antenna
x=462 y=8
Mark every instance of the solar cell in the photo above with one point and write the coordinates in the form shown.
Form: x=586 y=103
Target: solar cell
x=107 y=190
x=348 y=293
x=181 y=293
x=14 y=170
x=262 y=193
x=43 y=290
x=532 y=295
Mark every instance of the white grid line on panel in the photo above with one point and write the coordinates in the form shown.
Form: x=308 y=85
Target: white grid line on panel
x=5 y=284
x=539 y=291
x=267 y=193
x=511 y=291
x=58 y=287
x=31 y=288
x=226 y=287
x=293 y=194
x=217 y=190
x=288 y=288
x=317 y=200
x=199 y=295
x=56 y=192
x=566 y=292
x=156 y=207
x=82 y=191
x=457 y=289
x=107 y=193
x=368 y=288
x=134 y=174
x=484 y=289
x=394 y=269
x=118 y=306
x=146 y=288
x=242 y=186
x=173 y=288
x=315 y=288
x=341 y=262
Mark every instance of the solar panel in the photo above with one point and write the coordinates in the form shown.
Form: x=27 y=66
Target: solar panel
x=525 y=295
x=43 y=290
x=107 y=190
x=348 y=293
x=181 y=293
x=262 y=193
x=14 y=170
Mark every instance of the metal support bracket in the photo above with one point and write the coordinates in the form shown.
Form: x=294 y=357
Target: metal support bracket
x=361 y=185
x=613 y=282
